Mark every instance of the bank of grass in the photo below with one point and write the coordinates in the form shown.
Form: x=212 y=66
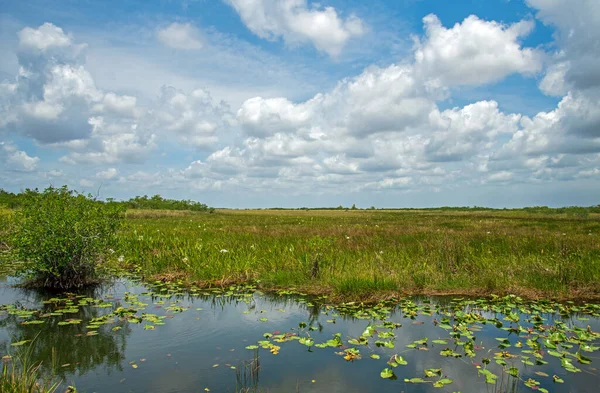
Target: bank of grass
x=358 y=254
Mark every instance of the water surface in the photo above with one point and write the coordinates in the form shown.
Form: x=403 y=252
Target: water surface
x=201 y=343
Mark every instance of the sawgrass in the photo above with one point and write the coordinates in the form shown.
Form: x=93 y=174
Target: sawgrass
x=372 y=253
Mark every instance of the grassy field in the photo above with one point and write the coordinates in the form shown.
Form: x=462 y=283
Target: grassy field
x=369 y=254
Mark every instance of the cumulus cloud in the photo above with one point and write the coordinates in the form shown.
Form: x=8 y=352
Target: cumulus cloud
x=573 y=128
x=55 y=101
x=475 y=51
x=119 y=105
x=111 y=143
x=577 y=36
x=194 y=118
x=44 y=38
x=183 y=36
x=296 y=22
x=54 y=96
x=386 y=122
x=86 y=183
x=388 y=129
x=17 y=160
x=108 y=174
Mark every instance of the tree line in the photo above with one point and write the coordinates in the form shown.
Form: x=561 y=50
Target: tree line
x=156 y=202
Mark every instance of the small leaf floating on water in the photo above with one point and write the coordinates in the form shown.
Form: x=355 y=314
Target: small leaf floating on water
x=442 y=382
x=386 y=373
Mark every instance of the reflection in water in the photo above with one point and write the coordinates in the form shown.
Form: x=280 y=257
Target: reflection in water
x=200 y=342
x=66 y=349
x=247 y=375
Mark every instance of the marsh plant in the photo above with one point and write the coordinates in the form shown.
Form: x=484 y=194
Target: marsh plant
x=21 y=375
x=62 y=234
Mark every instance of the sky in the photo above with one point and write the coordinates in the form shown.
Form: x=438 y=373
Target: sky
x=294 y=103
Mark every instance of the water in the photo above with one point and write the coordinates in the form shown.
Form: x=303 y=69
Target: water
x=195 y=348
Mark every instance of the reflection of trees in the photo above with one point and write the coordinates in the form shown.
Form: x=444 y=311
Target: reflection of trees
x=67 y=349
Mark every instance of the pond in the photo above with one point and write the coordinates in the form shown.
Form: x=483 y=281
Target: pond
x=129 y=337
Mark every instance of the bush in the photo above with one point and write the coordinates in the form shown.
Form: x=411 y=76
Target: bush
x=61 y=235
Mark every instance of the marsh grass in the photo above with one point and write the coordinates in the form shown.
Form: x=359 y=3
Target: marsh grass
x=21 y=375
x=362 y=253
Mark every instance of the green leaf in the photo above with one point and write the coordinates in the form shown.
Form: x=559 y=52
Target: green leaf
x=19 y=343
x=415 y=380
x=442 y=382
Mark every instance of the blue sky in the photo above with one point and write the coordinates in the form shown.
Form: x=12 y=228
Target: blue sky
x=240 y=103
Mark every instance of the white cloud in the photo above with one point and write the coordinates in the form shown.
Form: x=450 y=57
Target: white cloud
x=502 y=176
x=119 y=105
x=108 y=174
x=85 y=183
x=17 y=160
x=262 y=117
x=182 y=36
x=475 y=51
x=577 y=36
x=388 y=129
x=55 y=101
x=194 y=118
x=295 y=22
x=47 y=36
x=554 y=81
x=112 y=143
x=52 y=93
x=55 y=173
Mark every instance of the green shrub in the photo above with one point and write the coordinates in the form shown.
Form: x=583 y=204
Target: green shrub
x=61 y=235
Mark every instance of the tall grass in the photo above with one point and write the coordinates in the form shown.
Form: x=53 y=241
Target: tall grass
x=21 y=375
x=359 y=253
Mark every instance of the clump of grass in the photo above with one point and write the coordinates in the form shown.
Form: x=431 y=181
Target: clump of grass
x=20 y=375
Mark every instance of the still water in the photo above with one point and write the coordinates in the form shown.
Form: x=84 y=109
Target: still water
x=170 y=341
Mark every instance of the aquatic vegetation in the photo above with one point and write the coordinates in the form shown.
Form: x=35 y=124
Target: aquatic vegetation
x=504 y=339
x=20 y=374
